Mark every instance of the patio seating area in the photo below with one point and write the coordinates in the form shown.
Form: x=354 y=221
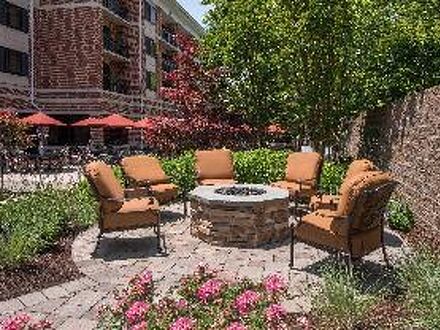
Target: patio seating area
x=118 y=256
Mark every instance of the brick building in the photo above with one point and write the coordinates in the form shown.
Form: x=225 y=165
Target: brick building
x=76 y=58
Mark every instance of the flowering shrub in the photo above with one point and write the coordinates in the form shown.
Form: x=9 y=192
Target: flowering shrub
x=24 y=322
x=204 y=300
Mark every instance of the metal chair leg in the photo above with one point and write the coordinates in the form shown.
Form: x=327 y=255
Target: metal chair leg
x=292 y=248
x=384 y=251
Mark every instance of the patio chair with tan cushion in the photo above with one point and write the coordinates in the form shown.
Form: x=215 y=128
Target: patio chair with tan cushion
x=214 y=167
x=146 y=172
x=356 y=227
x=116 y=212
x=303 y=170
x=331 y=201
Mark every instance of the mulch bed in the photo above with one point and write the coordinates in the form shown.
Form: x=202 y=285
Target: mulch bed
x=52 y=267
x=420 y=235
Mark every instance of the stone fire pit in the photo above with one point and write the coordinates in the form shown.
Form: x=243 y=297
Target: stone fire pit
x=239 y=215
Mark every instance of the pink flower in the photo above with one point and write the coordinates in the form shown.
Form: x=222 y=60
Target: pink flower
x=136 y=311
x=275 y=313
x=210 y=290
x=181 y=304
x=139 y=326
x=304 y=321
x=236 y=326
x=245 y=302
x=183 y=323
x=16 y=322
x=274 y=283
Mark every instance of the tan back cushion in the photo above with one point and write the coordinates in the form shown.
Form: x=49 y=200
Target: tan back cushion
x=303 y=167
x=105 y=183
x=365 y=209
x=360 y=165
x=357 y=167
x=143 y=170
x=214 y=164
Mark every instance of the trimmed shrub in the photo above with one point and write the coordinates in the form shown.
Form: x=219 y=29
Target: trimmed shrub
x=332 y=176
x=181 y=171
x=33 y=222
x=259 y=166
x=400 y=216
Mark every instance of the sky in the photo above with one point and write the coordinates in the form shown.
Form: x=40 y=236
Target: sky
x=195 y=8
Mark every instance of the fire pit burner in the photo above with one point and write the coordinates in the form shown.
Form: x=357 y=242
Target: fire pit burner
x=240 y=191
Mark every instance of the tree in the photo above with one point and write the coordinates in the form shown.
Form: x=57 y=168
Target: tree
x=13 y=133
x=313 y=65
x=201 y=121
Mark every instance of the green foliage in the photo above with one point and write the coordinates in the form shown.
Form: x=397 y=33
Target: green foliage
x=332 y=176
x=400 y=216
x=33 y=222
x=259 y=166
x=181 y=171
x=314 y=65
x=340 y=302
x=420 y=278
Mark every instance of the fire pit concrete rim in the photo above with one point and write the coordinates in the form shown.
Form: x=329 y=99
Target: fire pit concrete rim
x=208 y=194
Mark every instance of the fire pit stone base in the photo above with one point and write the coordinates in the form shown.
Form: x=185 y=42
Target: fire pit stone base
x=240 y=221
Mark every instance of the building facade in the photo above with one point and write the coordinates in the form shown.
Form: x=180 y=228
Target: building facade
x=79 y=58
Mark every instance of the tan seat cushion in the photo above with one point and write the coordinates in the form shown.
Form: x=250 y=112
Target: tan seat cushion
x=214 y=164
x=216 y=182
x=306 y=189
x=135 y=213
x=327 y=220
x=324 y=202
x=164 y=192
x=303 y=167
x=106 y=185
x=143 y=170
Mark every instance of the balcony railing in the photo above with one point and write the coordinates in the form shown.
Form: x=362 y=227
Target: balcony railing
x=169 y=37
x=115 y=46
x=116 y=85
x=115 y=7
x=168 y=65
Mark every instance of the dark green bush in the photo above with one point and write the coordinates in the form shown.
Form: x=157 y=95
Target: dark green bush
x=400 y=216
x=259 y=166
x=420 y=280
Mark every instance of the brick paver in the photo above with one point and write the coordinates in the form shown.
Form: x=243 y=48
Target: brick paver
x=110 y=263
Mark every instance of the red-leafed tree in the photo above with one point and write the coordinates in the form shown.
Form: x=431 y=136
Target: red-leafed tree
x=201 y=120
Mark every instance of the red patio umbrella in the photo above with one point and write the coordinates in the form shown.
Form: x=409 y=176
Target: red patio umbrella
x=145 y=123
x=116 y=120
x=275 y=129
x=91 y=121
x=41 y=119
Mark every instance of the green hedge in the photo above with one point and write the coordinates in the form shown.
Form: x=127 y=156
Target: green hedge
x=255 y=166
x=33 y=222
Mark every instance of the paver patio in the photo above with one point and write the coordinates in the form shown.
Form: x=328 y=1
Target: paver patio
x=118 y=256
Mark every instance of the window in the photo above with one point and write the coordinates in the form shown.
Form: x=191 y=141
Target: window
x=150 y=13
x=150 y=81
x=14 y=62
x=150 y=47
x=14 y=16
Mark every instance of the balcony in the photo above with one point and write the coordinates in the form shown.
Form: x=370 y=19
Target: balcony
x=116 y=8
x=115 y=85
x=168 y=65
x=117 y=46
x=169 y=37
